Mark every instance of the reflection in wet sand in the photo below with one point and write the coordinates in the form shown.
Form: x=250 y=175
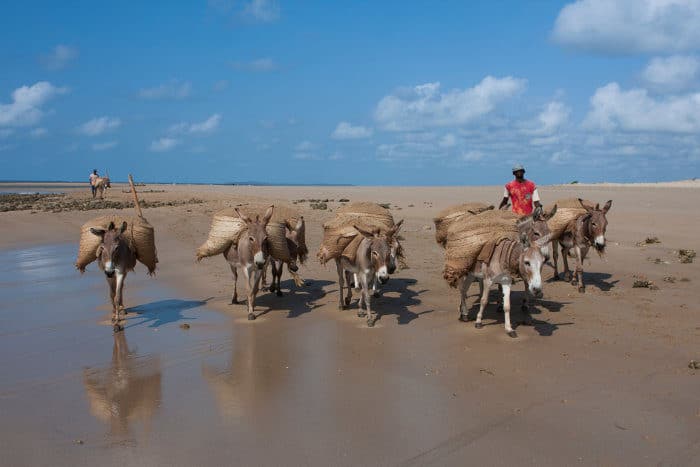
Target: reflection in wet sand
x=128 y=391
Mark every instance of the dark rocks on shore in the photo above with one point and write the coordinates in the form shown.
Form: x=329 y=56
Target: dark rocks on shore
x=61 y=202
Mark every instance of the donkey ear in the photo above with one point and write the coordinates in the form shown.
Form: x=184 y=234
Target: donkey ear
x=300 y=223
x=537 y=213
x=99 y=232
x=123 y=229
x=394 y=230
x=552 y=212
x=268 y=215
x=585 y=206
x=244 y=217
x=111 y=226
x=364 y=232
x=607 y=206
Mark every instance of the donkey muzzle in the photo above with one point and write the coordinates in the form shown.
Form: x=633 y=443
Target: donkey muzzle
x=537 y=292
x=293 y=267
x=109 y=274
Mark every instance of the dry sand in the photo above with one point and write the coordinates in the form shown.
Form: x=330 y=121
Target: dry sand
x=601 y=379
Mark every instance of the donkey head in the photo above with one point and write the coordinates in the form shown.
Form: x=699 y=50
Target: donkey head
x=379 y=253
x=596 y=223
x=256 y=240
x=530 y=266
x=536 y=228
x=111 y=243
x=106 y=182
x=395 y=248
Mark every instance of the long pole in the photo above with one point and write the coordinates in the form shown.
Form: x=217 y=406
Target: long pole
x=136 y=198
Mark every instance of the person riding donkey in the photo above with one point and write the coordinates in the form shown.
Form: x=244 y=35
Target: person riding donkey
x=522 y=193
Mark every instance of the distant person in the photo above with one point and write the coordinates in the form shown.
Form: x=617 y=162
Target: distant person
x=93 y=181
x=521 y=192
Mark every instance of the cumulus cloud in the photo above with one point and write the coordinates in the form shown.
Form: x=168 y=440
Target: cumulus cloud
x=260 y=65
x=426 y=106
x=170 y=90
x=104 y=146
x=346 y=130
x=551 y=119
x=673 y=73
x=164 y=144
x=629 y=26
x=99 y=125
x=634 y=110
x=265 y=11
x=26 y=106
x=59 y=57
x=207 y=126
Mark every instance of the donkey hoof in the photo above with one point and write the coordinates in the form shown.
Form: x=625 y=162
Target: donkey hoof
x=251 y=317
x=361 y=314
x=512 y=334
x=582 y=289
x=370 y=322
x=117 y=327
x=478 y=325
x=464 y=318
x=347 y=301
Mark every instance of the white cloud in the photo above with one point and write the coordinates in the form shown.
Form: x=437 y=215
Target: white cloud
x=207 y=126
x=164 y=144
x=59 y=57
x=258 y=65
x=673 y=73
x=551 y=119
x=417 y=151
x=345 y=130
x=265 y=11
x=629 y=26
x=561 y=157
x=104 y=146
x=634 y=110
x=448 y=141
x=25 y=108
x=99 y=125
x=170 y=90
x=39 y=132
x=425 y=106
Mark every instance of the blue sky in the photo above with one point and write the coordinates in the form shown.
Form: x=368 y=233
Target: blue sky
x=380 y=93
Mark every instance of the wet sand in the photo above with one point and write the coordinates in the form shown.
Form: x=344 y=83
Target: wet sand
x=602 y=378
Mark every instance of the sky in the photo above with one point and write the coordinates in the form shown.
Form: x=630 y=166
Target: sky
x=363 y=92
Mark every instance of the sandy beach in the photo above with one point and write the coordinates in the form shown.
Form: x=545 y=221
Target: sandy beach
x=602 y=378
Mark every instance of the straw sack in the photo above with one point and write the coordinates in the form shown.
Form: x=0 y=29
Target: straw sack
x=339 y=232
x=139 y=234
x=567 y=210
x=468 y=235
x=447 y=216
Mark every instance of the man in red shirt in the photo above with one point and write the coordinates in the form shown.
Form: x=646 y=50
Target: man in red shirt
x=522 y=193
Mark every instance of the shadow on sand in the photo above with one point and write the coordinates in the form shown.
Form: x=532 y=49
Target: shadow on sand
x=296 y=300
x=386 y=304
x=156 y=314
x=601 y=280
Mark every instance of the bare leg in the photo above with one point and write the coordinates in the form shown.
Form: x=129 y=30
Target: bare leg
x=482 y=303
x=506 y=310
x=465 y=283
x=339 y=267
x=234 y=270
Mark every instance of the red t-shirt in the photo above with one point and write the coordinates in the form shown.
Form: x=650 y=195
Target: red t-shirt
x=521 y=196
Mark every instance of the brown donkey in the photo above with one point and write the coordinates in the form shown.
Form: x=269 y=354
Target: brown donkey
x=101 y=184
x=250 y=254
x=116 y=258
x=298 y=256
x=585 y=231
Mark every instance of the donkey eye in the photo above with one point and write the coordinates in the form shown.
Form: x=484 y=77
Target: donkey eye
x=252 y=239
x=536 y=234
x=527 y=263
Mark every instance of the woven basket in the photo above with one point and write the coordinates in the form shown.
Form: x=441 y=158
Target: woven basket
x=139 y=234
x=447 y=216
x=339 y=232
x=567 y=210
x=467 y=236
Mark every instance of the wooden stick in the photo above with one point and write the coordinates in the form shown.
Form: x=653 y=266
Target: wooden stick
x=136 y=198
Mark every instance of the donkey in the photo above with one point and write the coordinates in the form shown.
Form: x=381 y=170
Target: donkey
x=101 y=184
x=292 y=233
x=395 y=254
x=373 y=260
x=509 y=258
x=250 y=254
x=586 y=230
x=116 y=258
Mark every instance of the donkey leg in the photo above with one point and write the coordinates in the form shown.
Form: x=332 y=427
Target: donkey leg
x=525 y=307
x=371 y=317
x=119 y=302
x=276 y=277
x=464 y=284
x=482 y=304
x=555 y=260
x=361 y=306
x=112 y=283
x=506 y=310
x=375 y=288
x=234 y=298
x=249 y=277
x=341 y=274
x=565 y=259
x=579 y=269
